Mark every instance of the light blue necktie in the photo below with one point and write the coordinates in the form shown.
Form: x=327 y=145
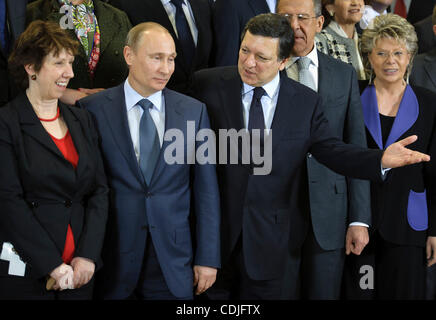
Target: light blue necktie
x=148 y=142
x=304 y=76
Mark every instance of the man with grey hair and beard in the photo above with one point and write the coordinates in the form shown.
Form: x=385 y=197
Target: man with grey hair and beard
x=338 y=214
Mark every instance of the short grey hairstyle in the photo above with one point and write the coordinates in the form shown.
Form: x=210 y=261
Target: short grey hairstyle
x=317 y=5
x=389 y=26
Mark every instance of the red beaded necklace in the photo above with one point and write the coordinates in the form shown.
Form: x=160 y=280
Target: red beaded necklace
x=52 y=119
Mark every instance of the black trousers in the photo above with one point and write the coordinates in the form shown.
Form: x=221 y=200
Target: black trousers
x=19 y=288
x=233 y=282
x=386 y=271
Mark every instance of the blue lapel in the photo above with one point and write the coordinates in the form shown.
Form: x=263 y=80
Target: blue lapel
x=406 y=116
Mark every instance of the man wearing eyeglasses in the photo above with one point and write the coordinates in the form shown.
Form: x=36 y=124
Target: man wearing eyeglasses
x=339 y=211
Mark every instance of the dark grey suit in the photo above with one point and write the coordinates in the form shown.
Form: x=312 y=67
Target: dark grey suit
x=229 y=19
x=426 y=37
x=424 y=70
x=335 y=201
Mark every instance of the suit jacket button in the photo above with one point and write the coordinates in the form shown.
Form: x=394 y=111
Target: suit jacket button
x=309 y=155
x=148 y=195
x=68 y=203
x=34 y=204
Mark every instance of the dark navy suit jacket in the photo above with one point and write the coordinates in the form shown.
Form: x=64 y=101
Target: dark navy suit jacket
x=165 y=203
x=270 y=210
x=229 y=20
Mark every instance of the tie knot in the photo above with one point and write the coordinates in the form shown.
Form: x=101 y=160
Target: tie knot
x=258 y=93
x=303 y=63
x=145 y=104
x=177 y=3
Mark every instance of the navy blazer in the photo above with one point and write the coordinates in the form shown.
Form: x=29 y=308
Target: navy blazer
x=270 y=210
x=165 y=203
x=16 y=17
x=229 y=20
x=41 y=193
x=424 y=70
x=404 y=207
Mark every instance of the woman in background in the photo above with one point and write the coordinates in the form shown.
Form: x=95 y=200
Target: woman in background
x=339 y=38
x=100 y=30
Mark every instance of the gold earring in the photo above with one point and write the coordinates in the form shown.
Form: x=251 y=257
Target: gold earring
x=33 y=77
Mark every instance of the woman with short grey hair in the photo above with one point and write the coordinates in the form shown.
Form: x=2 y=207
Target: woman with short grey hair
x=403 y=231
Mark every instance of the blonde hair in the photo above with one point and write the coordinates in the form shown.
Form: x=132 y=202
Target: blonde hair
x=389 y=26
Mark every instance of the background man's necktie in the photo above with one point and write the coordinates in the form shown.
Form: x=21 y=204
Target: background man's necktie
x=304 y=76
x=148 y=142
x=400 y=8
x=184 y=33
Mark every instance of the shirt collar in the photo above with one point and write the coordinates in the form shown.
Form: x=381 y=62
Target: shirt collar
x=312 y=55
x=133 y=97
x=270 y=88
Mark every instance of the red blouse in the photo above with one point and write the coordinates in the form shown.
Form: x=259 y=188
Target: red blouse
x=67 y=148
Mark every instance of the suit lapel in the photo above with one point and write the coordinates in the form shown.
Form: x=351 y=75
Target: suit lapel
x=283 y=110
x=323 y=79
x=79 y=141
x=174 y=119
x=230 y=94
x=31 y=125
x=406 y=116
x=116 y=115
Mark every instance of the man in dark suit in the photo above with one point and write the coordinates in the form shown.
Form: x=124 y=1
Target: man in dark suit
x=264 y=217
x=426 y=35
x=148 y=252
x=12 y=23
x=229 y=20
x=419 y=10
x=424 y=65
x=193 y=40
x=339 y=207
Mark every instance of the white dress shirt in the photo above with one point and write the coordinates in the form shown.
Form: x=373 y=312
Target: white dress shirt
x=292 y=67
x=134 y=114
x=272 y=5
x=171 y=11
x=269 y=100
x=368 y=15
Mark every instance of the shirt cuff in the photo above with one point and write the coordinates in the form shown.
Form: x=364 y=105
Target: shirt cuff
x=360 y=224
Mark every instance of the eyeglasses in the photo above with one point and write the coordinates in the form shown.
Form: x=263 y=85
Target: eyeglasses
x=301 y=17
